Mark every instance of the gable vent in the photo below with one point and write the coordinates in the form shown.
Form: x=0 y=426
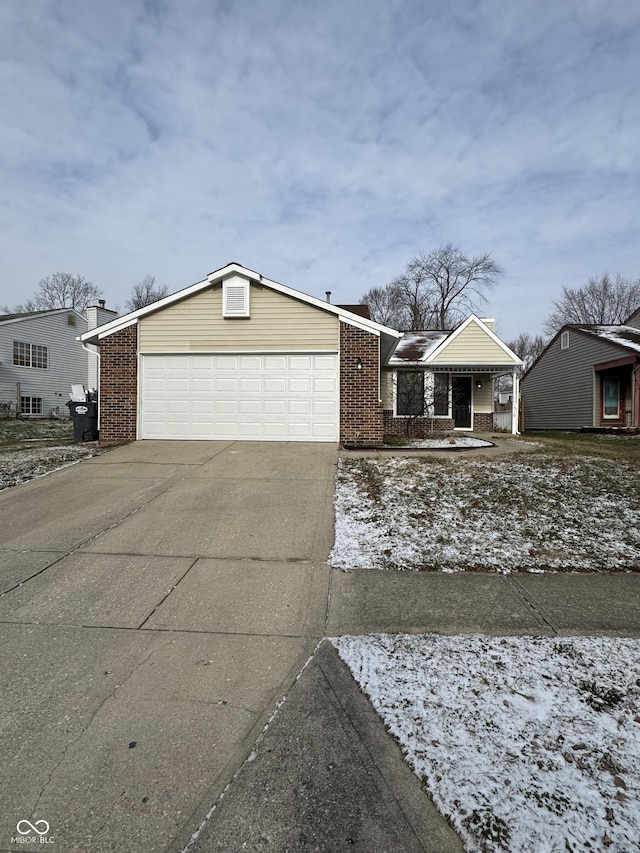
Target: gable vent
x=235 y=297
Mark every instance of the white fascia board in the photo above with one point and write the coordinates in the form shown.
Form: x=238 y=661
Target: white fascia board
x=492 y=335
x=119 y=328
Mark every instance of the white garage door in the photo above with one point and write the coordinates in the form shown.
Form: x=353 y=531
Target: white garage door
x=262 y=397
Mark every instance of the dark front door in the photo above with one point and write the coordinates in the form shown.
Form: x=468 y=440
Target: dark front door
x=461 y=401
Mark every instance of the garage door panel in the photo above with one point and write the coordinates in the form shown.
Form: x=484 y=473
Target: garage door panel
x=225 y=407
x=300 y=385
x=250 y=384
x=282 y=397
x=301 y=362
x=201 y=407
x=202 y=385
x=299 y=407
x=226 y=385
x=250 y=407
x=225 y=362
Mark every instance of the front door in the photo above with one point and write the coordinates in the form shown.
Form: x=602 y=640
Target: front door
x=461 y=401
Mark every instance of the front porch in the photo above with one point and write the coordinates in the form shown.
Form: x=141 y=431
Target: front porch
x=448 y=399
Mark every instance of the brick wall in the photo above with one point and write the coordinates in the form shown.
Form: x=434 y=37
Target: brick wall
x=361 y=420
x=119 y=386
x=483 y=421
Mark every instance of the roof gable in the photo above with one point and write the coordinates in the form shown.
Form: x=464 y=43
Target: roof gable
x=625 y=336
x=31 y=315
x=634 y=319
x=236 y=270
x=473 y=342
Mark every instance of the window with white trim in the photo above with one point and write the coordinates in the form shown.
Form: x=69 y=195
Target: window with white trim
x=410 y=393
x=611 y=397
x=30 y=355
x=441 y=394
x=31 y=405
x=564 y=340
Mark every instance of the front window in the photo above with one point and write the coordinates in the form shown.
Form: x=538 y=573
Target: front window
x=30 y=355
x=31 y=405
x=441 y=394
x=611 y=397
x=410 y=392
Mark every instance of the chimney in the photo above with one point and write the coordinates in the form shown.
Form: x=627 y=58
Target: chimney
x=327 y=293
x=102 y=302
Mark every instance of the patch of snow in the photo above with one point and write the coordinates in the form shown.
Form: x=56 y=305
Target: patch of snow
x=446 y=444
x=523 y=743
x=19 y=466
x=506 y=514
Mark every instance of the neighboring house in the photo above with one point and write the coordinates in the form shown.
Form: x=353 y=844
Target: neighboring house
x=41 y=357
x=240 y=357
x=444 y=380
x=588 y=376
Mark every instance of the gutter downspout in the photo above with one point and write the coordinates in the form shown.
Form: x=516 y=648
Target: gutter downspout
x=515 y=401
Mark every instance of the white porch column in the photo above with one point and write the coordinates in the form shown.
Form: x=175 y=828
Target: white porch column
x=515 y=401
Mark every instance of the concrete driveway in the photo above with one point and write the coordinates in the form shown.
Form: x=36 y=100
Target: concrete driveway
x=157 y=604
x=158 y=601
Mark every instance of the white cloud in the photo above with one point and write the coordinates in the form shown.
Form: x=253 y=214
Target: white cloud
x=321 y=145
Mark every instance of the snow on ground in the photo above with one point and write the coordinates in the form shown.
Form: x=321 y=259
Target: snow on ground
x=18 y=466
x=513 y=513
x=524 y=744
x=448 y=443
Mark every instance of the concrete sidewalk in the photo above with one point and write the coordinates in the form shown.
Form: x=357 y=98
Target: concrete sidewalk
x=162 y=600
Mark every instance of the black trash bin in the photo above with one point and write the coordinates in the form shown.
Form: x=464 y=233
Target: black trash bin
x=85 y=420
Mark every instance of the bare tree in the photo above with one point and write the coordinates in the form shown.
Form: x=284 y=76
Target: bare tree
x=63 y=290
x=145 y=292
x=456 y=282
x=528 y=347
x=24 y=308
x=386 y=306
x=437 y=289
x=601 y=300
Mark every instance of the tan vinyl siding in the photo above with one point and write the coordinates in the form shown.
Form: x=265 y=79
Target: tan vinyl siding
x=472 y=346
x=482 y=397
x=277 y=322
x=386 y=388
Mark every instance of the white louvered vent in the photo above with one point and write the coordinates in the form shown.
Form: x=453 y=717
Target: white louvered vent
x=235 y=297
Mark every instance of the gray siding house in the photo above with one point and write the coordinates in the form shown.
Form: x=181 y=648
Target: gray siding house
x=41 y=357
x=588 y=376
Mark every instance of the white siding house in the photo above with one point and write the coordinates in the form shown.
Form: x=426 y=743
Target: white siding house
x=40 y=358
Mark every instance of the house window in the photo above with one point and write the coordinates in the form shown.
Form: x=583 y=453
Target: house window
x=611 y=397
x=441 y=394
x=564 y=340
x=30 y=355
x=31 y=405
x=410 y=393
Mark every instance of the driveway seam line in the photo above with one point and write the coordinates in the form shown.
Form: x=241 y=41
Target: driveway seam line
x=532 y=603
x=164 y=597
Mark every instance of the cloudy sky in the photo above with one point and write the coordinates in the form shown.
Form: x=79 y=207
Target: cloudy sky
x=321 y=144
